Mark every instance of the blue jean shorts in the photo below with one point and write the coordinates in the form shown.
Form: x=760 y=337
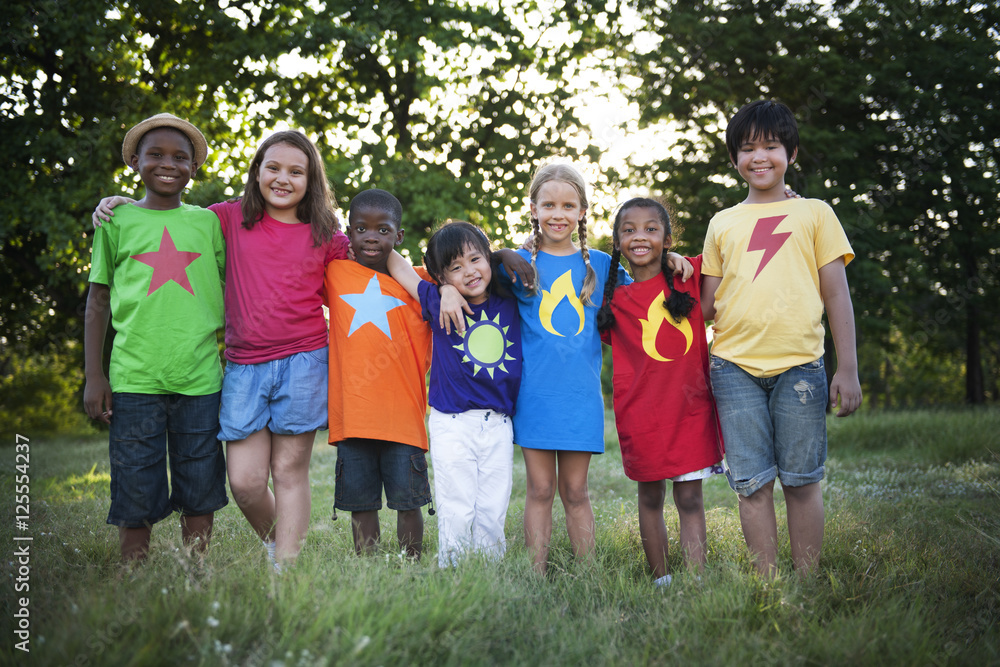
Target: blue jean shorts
x=144 y=428
x=365 y=466
x=288 y=396
x=772 y=427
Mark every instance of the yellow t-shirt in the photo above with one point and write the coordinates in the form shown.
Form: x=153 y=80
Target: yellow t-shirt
x=768 y=306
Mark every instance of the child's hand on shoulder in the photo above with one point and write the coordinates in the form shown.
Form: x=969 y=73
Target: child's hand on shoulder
x=680 y=266
x=104 y=211
x=453 y=309
x=517 y=267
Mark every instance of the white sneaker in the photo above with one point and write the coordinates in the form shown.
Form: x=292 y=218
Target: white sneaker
x=272 y=555
x=663 y=581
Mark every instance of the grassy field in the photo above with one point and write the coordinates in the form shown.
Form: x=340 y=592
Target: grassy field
x=909 y=574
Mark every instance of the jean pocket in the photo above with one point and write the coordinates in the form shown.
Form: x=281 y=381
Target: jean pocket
x=320 y=356
x=338 y=486
x=814 y=366
x=420 y=485
x=716 y=363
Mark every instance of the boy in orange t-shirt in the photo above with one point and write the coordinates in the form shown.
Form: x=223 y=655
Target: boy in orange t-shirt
x=379 y=355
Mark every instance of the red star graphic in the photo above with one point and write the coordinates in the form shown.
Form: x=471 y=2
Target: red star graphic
x=168 y=264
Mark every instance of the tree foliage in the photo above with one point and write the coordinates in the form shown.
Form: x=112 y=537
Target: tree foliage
x=898 y=119
x=445 y=104
x=450 y=105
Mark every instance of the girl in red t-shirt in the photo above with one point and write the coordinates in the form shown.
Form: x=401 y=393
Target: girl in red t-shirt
x=664 y=411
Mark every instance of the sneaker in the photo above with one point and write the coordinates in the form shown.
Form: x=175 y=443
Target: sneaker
x=663 y=581
x=272 y=555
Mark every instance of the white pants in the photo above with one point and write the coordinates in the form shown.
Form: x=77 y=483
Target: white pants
x=472 y=454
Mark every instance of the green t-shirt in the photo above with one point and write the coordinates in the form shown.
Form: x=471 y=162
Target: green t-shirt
x=165 y=270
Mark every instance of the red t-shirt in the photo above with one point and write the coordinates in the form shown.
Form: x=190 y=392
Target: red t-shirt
x=667 y=424
x=274 y=286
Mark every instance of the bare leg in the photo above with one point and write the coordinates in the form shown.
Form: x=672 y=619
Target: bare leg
x=248 y=462
x=410 y=532
x=366 y=531
x=575 y=496
x=760 y=529
x=804 y=505
x=540 y=466
x=652 y=530
x=134 y=543
x=197 y=531
x=691 y=514
x=290 y=456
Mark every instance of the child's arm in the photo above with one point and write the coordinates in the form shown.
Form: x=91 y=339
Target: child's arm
x=840 y=313
x=680 y=265
x=452 y=303
x=97 y=392
x=708 y=286
x=517 y=267
x=103 y=212
x=402 y=272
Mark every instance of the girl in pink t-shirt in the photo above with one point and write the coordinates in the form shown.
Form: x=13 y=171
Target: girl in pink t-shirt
x=279 y=237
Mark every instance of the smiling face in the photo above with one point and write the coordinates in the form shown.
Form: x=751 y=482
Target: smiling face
x=558 y=209
x=373 y=235
x=165 y=162
x=762 y=162
x=641 y=238
x=283 y=180
x=470 y=273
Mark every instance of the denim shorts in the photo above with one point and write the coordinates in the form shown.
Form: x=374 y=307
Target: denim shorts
x=143 y=429
x=286 y=395
x=772 y=427
x=365 y=466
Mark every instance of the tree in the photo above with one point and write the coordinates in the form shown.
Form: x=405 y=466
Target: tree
x=444 y=104
x=901 y=140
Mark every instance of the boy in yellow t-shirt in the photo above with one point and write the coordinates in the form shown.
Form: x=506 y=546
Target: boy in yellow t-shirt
x=771 y=266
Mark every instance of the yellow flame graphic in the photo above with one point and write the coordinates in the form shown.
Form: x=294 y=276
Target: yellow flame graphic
x=562 y=288
x=655 y=317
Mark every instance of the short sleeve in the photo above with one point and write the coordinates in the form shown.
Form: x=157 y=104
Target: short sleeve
x=711 y=258
x=430 y=301
x=102 y=257
x=831 y=239
x=337 y=247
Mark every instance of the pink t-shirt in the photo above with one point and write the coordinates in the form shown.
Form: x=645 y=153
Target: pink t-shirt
x=274 y=286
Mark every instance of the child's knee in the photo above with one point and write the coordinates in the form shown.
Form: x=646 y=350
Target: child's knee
x=543 y=492
x=248 y=488
x=689 y=500
x=575 y=495
x=652 y=495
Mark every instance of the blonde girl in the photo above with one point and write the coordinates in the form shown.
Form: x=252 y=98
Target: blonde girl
x=559 y=418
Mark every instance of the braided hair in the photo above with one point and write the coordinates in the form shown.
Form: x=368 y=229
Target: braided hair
x=566 y=174
x=678 y=304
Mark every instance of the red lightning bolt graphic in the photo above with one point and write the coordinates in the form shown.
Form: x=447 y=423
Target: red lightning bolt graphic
x=764 y=238
x=168 y=264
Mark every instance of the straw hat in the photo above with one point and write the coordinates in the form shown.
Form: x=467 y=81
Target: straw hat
x=131 y=142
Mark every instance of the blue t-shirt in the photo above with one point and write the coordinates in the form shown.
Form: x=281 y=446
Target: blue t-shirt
x=560 y=405
x=480 y=369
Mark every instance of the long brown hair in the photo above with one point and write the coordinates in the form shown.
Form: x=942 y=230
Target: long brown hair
x=316 y=207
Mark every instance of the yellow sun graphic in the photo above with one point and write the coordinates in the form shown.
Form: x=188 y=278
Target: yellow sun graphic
x=484 y=344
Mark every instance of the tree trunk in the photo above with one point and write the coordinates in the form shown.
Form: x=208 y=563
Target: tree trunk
x=974 y=393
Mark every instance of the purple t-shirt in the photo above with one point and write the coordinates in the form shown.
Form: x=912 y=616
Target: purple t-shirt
x=480 y=369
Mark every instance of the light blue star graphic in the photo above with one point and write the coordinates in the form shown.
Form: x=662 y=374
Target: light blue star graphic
x=371 y=306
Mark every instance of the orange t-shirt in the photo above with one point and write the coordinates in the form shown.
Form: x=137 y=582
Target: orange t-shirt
x=380 y=350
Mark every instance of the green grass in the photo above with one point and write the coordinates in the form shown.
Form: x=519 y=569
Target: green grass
x=909 y=574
